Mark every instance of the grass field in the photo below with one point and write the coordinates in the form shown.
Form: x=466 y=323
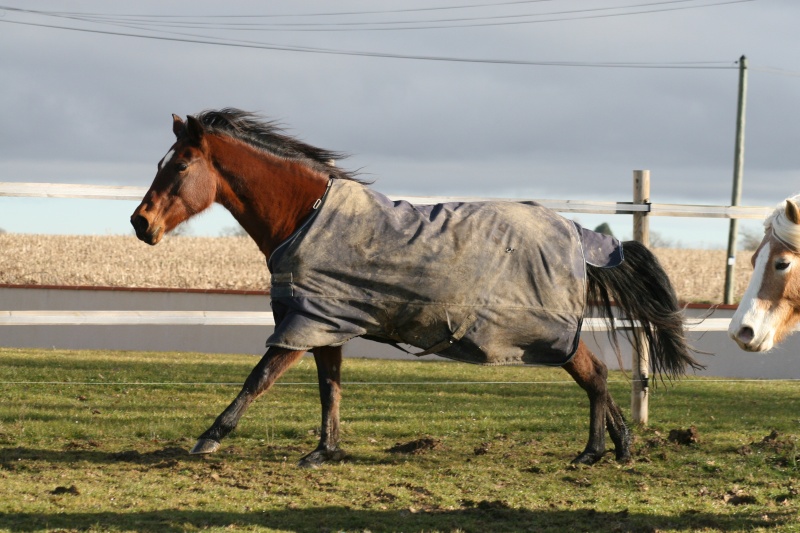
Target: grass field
x=97 y=441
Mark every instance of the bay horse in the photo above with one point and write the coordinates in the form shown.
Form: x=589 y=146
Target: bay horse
x=770 y=306
x=311 y=218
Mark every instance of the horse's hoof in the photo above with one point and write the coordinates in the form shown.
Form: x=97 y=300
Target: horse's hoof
x=624 y=457
x=586 y=458
x=317 y=458
x=204 y=446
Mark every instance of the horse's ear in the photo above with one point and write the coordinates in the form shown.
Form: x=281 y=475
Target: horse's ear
x=178 y=127
x=194 y=130
x=792 y=211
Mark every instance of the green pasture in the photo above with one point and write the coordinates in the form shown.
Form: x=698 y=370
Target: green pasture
x=97 y=441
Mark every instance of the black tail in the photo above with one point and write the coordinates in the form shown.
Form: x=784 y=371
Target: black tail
x=643 y=292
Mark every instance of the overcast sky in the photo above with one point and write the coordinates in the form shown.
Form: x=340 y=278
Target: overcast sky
x=553 y=109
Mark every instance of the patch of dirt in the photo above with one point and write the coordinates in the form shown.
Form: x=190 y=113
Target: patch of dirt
x=684 y=437
x=774 y=442
x=384 y=496
x=81 y=445
x=785 y=449
x=745 y=450
x=486 y=505
x=483 y=449
x=791 y=493
x=737 y=496
x=73 y=490
x=654 y=442
x=417 y=447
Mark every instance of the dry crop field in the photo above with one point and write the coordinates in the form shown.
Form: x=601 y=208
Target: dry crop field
x=236 y=263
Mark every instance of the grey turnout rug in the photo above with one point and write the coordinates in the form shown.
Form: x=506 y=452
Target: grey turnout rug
x=482 y=282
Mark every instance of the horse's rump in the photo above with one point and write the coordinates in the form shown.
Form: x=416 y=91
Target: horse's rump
x=481 y=282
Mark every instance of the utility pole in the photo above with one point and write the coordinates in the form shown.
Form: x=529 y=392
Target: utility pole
x=738 y=165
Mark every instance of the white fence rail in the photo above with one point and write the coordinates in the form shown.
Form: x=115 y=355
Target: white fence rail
x=136 y=318
x=112 y=192
x=238 y=318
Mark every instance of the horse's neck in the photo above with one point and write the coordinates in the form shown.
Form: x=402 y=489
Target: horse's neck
x=269 y=196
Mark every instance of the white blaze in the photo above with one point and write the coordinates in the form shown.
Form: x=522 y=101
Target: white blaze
x=166 y=159
x=753 y=312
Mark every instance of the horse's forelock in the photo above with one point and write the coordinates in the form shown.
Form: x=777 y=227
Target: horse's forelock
x=784 y=229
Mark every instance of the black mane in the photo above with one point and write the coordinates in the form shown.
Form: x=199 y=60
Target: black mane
x=269 y=136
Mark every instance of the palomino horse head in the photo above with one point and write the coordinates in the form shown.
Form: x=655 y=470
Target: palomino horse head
x=770 y=306
x=185 y=184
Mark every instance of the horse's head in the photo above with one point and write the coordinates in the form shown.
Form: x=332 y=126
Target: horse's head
x=770 y=306
x=185 y=184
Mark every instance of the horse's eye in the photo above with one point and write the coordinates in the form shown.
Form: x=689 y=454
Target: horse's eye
x=181 y=167
x=782 y=265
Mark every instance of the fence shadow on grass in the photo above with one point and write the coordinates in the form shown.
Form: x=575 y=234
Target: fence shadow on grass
x=479 y=518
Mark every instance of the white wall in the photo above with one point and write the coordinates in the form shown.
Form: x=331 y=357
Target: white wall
x=728 y=361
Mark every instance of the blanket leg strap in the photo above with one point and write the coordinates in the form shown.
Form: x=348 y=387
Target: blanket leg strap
x=440 y=346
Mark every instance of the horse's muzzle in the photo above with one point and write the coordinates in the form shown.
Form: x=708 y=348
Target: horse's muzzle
x=143 y=231
x=745 y=337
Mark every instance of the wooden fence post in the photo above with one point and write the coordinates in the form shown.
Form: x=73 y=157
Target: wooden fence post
x=641 y=361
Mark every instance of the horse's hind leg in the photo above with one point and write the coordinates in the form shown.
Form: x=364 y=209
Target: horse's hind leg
x=274 y=363
x=591 y=374
x=329 y=365
x=619 y=431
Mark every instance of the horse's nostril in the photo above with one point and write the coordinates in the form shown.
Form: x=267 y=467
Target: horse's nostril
x=746 y=334
x=139 y=224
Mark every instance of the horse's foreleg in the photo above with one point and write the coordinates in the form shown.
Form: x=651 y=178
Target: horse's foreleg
x=274 y=363
x=329 y=365
x=591 y=374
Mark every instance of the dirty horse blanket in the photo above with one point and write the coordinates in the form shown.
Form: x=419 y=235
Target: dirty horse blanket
x=482 y=282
